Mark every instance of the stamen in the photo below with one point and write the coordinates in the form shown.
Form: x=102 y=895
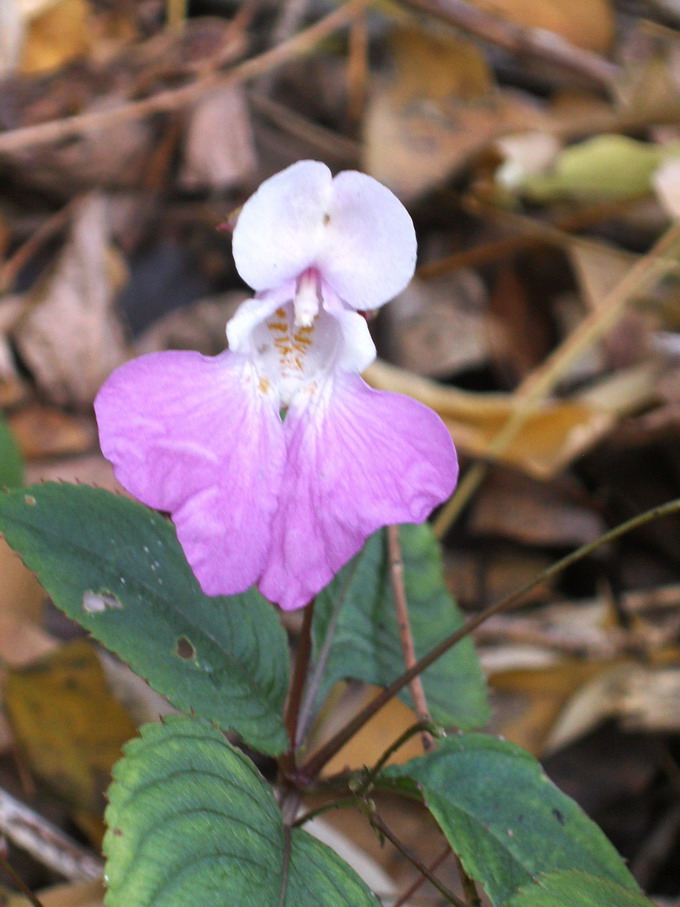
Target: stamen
x=306 y=302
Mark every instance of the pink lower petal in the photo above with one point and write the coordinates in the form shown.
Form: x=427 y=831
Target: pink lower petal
x=358 y=459
x=194 y=436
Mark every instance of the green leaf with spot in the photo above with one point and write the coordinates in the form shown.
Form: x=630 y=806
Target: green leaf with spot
x=355 y=627
x=504 y=818
x=572 y=888
x=191 y=821
x=117 y=568
x=11 y=464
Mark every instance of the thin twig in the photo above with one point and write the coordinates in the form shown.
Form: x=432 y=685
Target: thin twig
x=411 y=890
x=174 y=98
x=405 y=635
x=317 y=761
x=526 y=232
x=521 y=40
x=424 y=870
x=315 y=680
x=19 y=882
x=45 y=842
x=540 y=383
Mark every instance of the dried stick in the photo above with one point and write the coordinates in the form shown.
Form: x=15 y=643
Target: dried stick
x=174 y=98
x=317 y=761
x=383 y=830
x=405 y=634
x=539 y=383
x=45 y=842
x=411 y=890
x=516 y=39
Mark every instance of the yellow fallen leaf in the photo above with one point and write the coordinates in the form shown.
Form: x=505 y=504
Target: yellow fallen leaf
x=589 y=23
x=366 y=747
x=57 y=35
x=68 y=724
x=554 y=433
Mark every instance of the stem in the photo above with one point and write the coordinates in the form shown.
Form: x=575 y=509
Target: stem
x=539 y=384
x=405 y=634
x=320 y=758
x=316 y=677
x=380 y=826
x=411 y=890
x=298 y=681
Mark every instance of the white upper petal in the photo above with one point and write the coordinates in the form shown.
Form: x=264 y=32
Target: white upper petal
x=369 y=250
x=280 y=230
x=352 y=229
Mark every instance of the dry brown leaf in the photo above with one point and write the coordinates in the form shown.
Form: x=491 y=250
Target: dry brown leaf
x=218 y=146
x=513 y=505
x=642 y=697
x=70 y=337
x=436 y=327
x=45 y=431
x=553 y=435
x=588 y=23
x=537 y=697
x=20 y=593
x=72 y=894
x=57 y=35
x=437 y=110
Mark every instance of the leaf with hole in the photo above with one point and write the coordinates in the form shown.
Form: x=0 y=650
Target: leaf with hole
x=503 y=817
x=117 y=568
x=355 y=627
x=191 y=821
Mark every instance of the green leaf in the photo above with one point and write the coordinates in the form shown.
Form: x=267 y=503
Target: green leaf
x=573 y=888
x=191 y=821
x=605 y=166
x=504 y=818
x=117 y=568
x=11 y=465
x=355 y=618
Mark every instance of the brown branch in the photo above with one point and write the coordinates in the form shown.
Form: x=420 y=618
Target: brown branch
x=516 y=39
x=411 y=890
x=174 y=98
x=383 y=830
x=331 y=747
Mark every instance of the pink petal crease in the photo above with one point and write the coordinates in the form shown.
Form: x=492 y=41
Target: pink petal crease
x=358 y=459
x=274 y=459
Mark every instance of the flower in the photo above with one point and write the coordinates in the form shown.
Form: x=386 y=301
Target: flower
x=275 y=460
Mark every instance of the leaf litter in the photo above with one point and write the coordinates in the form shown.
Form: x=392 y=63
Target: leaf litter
x=540 y=178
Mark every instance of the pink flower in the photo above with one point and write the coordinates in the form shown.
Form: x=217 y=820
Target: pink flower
x=275 y=460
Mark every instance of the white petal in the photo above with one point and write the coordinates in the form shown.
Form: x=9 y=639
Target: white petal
x=280 y=229
x=369 y=250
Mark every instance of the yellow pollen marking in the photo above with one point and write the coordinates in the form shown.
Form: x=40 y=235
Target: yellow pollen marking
x=280 y=312
x=302 y=341
x=277 y=326
x=264 y=385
